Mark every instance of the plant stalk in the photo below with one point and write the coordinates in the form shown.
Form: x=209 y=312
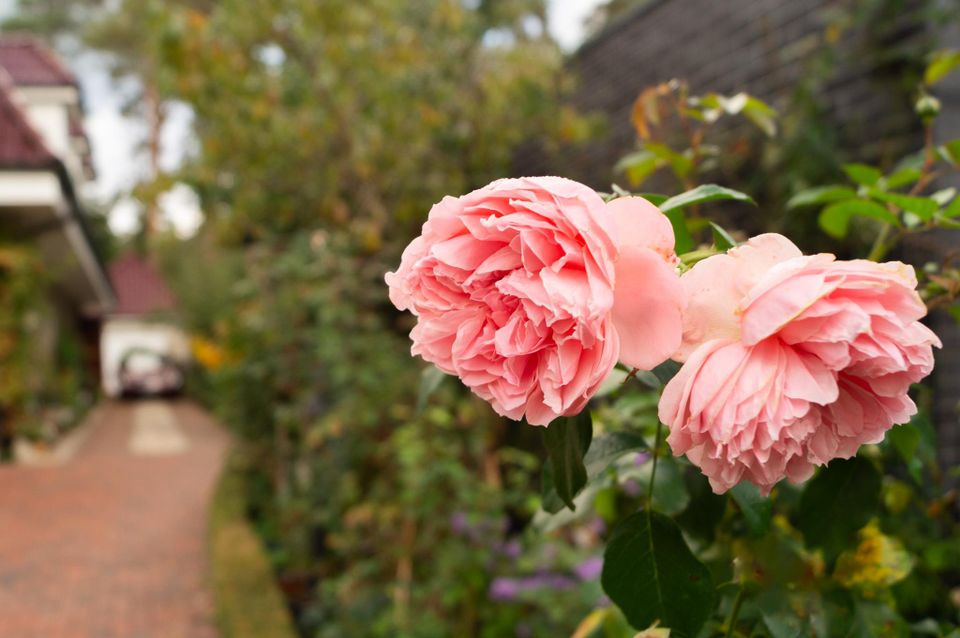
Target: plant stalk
x=653 y=470
x=732 y=621
x=880 y=247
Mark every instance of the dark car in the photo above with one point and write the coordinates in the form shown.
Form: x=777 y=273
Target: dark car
x=147 y=373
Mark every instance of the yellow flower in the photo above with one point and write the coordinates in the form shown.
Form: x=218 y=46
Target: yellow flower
x=207 y=353
x=878 y=561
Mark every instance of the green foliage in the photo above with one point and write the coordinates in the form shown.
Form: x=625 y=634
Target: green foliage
x=942 y=63
x=21 y=288
x=704 y=193
x=249 y=603
x=835 y=218
x=567 y=440
x=848 y=554
x=684 y=241
x=820 y=195
x=658 y=107
x=650 y=573
x=755 y=508
x=395 y=503
x=44 y=386
x=875 y=198
x=837 y=502
x=722 y=240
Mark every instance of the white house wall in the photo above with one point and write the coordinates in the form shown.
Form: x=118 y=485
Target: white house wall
x=48 y=110
x=120 y=335
x=30 y=188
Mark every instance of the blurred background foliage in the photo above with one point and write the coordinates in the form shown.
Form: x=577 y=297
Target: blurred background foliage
x=324 y=131
x=38 y=402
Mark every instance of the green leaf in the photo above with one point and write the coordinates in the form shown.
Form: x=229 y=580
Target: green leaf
x=547 y=522
x=837 y=502
x=953 y=210
x=950 y=151
x=605 y=623
x=654 y=198
x=791 y=615
x=757 y=509
x=820 y=195
x=903 y=177
x=872 y=619
x=915 y=160
x=943 y=62
x=835 y=219
x=670 y=494
x=651 y=575
x=666 y=371
x=942 y=555
x=430 y=379
x=863 y=174
x=704 y=193
x=681 y=164
x=608 y=448
x=927 y=626
x=762 y=115
x=682 y=237
x=550 y=501
x=612 y=383
x=721 y=238
x=639 y=166
x=922 y=207
x=706 y=508
x=568 y=439
x=905 y=439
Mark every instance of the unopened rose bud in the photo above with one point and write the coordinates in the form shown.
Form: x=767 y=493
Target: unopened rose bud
x=927 y=107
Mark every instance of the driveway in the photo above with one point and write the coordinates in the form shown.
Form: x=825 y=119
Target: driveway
x=112 y=542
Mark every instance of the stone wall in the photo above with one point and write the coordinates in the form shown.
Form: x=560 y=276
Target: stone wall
x=767 y=47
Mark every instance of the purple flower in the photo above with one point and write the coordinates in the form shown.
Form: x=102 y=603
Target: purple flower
x=504 y=589
x=632 y=488
x=546 y=581
x=598 y=526
x=511 y=549
x=589 y=570
x=459 y=523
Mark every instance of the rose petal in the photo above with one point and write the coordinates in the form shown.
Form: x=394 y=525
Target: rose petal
x=647 y=308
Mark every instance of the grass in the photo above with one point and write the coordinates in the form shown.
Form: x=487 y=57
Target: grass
x=249 y=603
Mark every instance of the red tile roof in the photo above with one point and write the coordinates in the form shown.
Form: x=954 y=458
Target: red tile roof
x=141 y=289
x=20 y=145
x=31 y=63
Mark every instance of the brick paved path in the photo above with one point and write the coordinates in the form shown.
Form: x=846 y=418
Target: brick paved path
x=113 y=543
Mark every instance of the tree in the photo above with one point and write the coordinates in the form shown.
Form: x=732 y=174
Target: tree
x=366 y=112
x=133 y=36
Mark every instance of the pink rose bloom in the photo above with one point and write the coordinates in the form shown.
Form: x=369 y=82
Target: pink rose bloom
x=531 y=289
x=792 y=361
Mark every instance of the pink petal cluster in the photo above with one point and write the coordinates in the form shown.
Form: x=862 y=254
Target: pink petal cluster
x=792 y=361
x=530 y=290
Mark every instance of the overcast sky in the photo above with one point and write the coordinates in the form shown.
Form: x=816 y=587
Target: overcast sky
x=114 y=138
